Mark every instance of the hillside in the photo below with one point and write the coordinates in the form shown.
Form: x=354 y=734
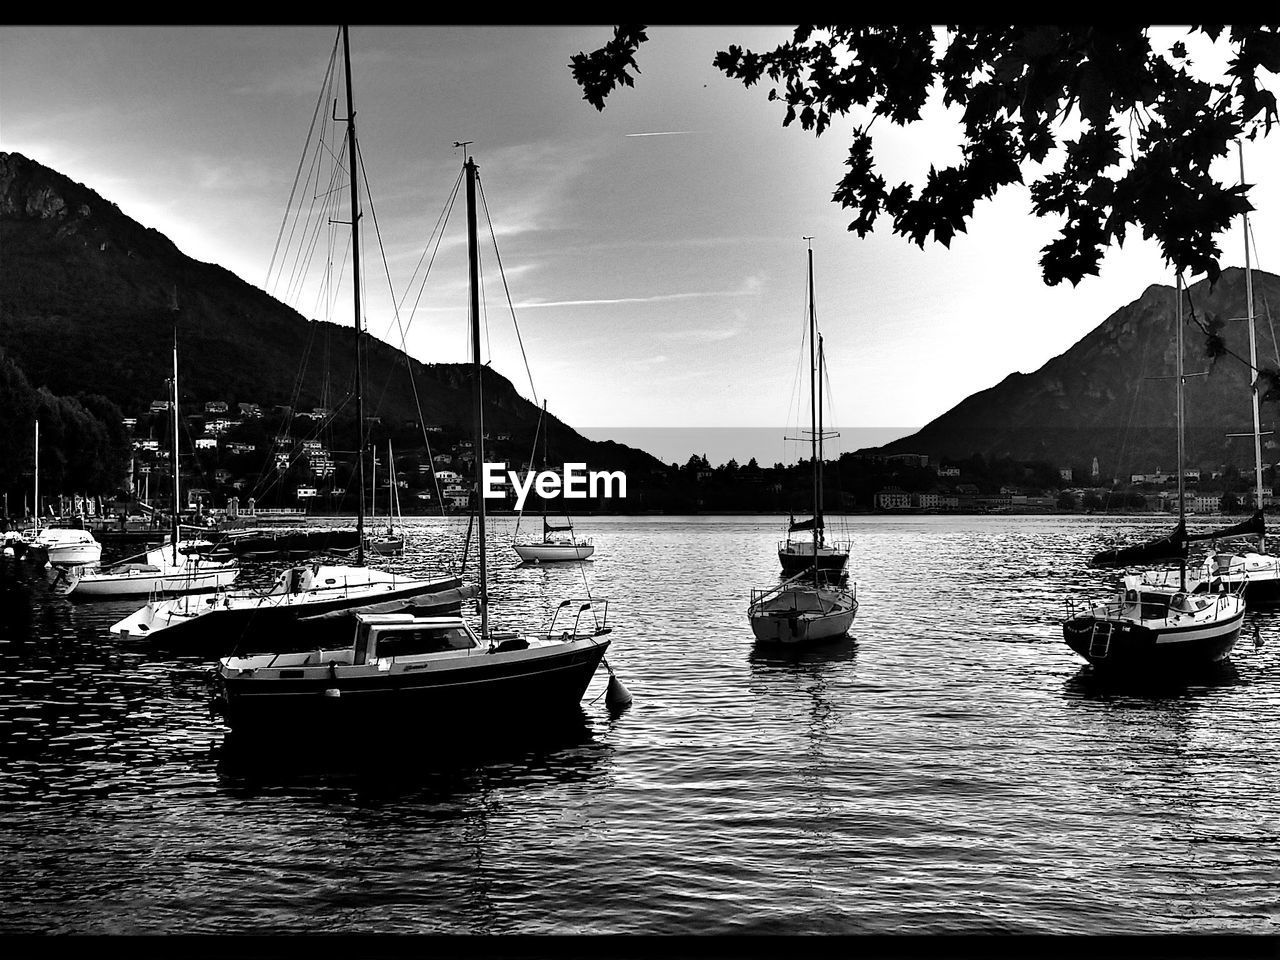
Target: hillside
x=1099 y=398
x=86 y=299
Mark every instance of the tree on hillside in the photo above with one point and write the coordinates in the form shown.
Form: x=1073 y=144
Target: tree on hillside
x=1137 y=127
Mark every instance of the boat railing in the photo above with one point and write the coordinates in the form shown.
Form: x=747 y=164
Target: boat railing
x=760 y=595
x=1103 y=609
x=584 y=604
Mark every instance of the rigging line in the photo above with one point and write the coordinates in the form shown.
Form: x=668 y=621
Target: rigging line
x=396 y=307
x=324 y=86
x=386 y=269
x=1267 y=306
x=542 y=412
x=326 y=224
x=1199 y=323
x=284 y=425
x=313 y=222
x=497 y=254
x=437 y=234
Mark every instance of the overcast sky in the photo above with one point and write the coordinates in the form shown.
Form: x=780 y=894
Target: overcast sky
x=653 y=251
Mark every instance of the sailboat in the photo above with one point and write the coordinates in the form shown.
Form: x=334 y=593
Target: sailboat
x=173 y=567
x=391 y=541
x=311 y=588
x=798 y=555
x=1155 y=626
x=552 y=548
x=1256 y=571
x=423 y=668
x=809 y=605
x=57 y=545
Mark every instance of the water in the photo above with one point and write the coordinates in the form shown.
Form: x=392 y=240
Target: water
x=949 y=768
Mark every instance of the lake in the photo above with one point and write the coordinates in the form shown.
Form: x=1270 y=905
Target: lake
x=950 y=767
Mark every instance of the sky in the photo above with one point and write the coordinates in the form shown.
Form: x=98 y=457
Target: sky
x=653 y=251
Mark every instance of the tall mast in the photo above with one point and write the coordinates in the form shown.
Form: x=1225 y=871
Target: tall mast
x=473 y=255
x=1182 y=509
x=546 y=427
x=37 y=466
x=176 y=482
x=813 y=413
x=1253 y=365
x=355 y=264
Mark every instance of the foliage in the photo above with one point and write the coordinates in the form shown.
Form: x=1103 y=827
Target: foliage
x=83 y=445
x=1149 y=127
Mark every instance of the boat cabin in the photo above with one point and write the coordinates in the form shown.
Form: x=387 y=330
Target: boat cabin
x=390 y=635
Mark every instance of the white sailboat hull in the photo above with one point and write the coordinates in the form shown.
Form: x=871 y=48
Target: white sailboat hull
x=553 y=552
x=803 y=614
x=140 y=582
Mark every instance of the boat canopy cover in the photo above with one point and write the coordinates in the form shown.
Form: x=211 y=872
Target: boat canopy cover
x=1172 y=546
x=812 y=524
x=551 y=528
x=1255 y=526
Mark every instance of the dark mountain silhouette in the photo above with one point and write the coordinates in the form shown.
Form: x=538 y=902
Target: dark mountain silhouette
x=1099 y=399
x=86 y=308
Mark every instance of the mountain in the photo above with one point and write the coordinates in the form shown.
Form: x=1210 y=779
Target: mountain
x=1099 y=398
x=86 y=308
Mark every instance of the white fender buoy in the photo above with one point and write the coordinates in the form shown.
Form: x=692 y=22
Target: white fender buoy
x=332 y=692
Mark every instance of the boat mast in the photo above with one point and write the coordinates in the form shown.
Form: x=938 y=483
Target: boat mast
x=176 y=481
x=473 y=255
x=1182 y=510
x=37 y=466
x=355 y=264
x=393 y=491
x=813 y=413
x=1253 y=365
x=545 y=429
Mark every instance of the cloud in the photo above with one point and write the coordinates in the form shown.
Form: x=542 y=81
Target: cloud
x=704 y=334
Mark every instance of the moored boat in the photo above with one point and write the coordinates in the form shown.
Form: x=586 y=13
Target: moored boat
x=162 y=570
x=811 y=605
x=1157 y=623
x=64 y=546
x=1148 y=629
x=414 y=666
x=305 y=590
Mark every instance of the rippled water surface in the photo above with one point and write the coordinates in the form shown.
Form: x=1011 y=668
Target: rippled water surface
x=950 y=767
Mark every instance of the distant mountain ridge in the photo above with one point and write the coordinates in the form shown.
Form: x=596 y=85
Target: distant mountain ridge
x=1101 y=399
x=86 y=299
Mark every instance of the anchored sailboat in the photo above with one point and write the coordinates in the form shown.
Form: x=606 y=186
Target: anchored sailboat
x=553 y=548
x=314 y=588
x=399 y=665
x=1256 y=571
x=799 y=554
x=391 y=541
x=808 y=606
x=174 y=567
x=1157 y=626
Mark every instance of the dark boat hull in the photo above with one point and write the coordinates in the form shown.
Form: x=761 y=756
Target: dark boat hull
x=797 y=563
x=494 y=688
x=1131 y=647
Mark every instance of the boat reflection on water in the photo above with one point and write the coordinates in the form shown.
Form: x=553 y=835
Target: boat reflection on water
x=1144 y=689
x=833 y=650
x=390 y=764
